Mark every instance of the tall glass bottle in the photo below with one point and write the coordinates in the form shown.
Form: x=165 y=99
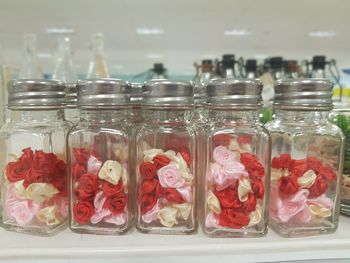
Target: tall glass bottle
x=30 y=65
x=64 y=68
x=97 y=66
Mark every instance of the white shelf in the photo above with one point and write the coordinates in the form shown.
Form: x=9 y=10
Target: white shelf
x=68 y=245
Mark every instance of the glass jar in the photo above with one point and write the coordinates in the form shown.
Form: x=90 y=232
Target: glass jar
x=98 y=158
x=71 y=112
x=307 y=161
x=34 y=185
x=341 y=117
x=166 y=159
x=237 y=161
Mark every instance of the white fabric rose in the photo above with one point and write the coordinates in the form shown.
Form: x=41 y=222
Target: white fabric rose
x=213 y=203
x=48 y=215
x=40 y=192
x=167 y=216
x=255 y=216
x=183 y=210
x=307 y=179
x=111 y=171
x=244 y=188
x=150 y=154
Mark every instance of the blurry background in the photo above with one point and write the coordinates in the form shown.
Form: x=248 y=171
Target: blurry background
x=138 y=33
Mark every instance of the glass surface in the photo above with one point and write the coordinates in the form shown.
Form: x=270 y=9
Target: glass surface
x=166 y=161
x=30 y=67
x=34 y=184
x=236 y=176
x=99 y=175
x=307 y=153
x=64 y=69
x=97 y=66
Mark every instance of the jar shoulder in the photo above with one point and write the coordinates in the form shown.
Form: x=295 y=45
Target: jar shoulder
x=81 y=127
x=247 y=128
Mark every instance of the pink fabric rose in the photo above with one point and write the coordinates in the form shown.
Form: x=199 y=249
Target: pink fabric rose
x=99 y=201
x=170 y=176
x=234 y=170
x=93 y=165
x=118 y=220
x=99 y=216
x=322 y=201
x=151 y=215
x=222 y=155
x=186 y=193
x=211 y=220
x=62 y=204
x=23 y=211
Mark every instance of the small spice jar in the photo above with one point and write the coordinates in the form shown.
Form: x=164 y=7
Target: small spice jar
x=34 y=184
x=166 y=159
x=236 y=183
x=307 y=151
x=98 y=159
x=341 y=117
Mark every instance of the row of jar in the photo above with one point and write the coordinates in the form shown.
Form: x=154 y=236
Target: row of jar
x=177 y=166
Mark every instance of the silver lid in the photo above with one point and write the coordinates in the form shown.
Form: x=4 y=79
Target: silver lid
x=136 y=93
x=36 y=94
x=244 y=93
x=103 y=93
x=199 y=94
x=303 y=94
x=167 y=93
x=71 y=95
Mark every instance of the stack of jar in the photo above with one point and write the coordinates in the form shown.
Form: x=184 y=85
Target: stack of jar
x=161 y=169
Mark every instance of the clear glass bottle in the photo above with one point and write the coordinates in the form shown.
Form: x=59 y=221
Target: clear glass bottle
x=34 y=183
x=341 y=117
x=97 y=66
x=98 y=158
x=166 y=160
x=236 y=178
x=64 y=68
x=30 y=68
x=71 y=112
x=307 y=151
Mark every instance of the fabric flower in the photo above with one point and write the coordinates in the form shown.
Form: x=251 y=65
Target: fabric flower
x=222 y=155
x=186 y=156
x=167 y=216
x=258 y=188
x=288 y=185
x=147 y=202
x=99 y=216
x=211 y=221
x=172 y=195
x=93 y=165
x=115 y=203
x=244 y=188
x=78 y=170
x=281 y=162
x=183 y=210
x=83 y=211
x=222 y=139
x=111 y=171
x=249 y=205
x=149 y=186
x=111 y=189
x=170 y=176
x=150 y=154
x=228 y=197
x=119 y=219
x=186 y=193
x=40 y=192
x=81 y=155
x=161 y=160
x=22 y=211
x=213 y=203
x=148 y=170
x=255 y=216
x=89 y=183
x=152 y=214
x=233 y=219
x=307 y=179
x=16 y=171
x=49 y=215
x=252 y=165
x=319 y=187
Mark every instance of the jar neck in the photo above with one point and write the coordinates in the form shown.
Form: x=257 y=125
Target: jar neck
x=166 y=116
x=302 y=116
x=37 y=116
x=103 y=116
x=234 y=115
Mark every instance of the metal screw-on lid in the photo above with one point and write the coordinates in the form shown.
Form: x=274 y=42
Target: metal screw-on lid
x=36 y=94
x=103 y=93
x=303 y=94
x=136 y=94
x=245 y=93
x=167 y=93
x=71 y=95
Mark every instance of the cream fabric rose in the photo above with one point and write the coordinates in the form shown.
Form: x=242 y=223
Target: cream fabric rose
x=125 y=179
x=167 y=216
x=121 y=151
x=20 y=190
x=170 y=154
x=255 y=216
x=111 y=171
x=307 y=179
x=150 y=154
x=183 y=210
x=40 y=192
x=319 y=211
x=213 y=203
x=48 y=215
x=244 y=188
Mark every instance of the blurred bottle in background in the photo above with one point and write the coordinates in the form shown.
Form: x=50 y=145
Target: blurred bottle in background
x=159 y=71
x=291 y=69
x=64 y=68
x=251 y=69
x=318 y=67
x=30 y=68
x=97 y=66
x=228 y=66
x=276 y=68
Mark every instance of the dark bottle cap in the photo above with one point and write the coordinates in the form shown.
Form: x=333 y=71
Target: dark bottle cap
x=276 y=63
x=207 y=62
x=158 y=68
x=319 y=62
x=228 y=61
x=251 y=65
x=291 y=66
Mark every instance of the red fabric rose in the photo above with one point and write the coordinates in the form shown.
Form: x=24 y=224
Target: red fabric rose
x=222 y=139
x=249 y=205
x=44 y=167
x=281 y=162
x=161 y=160
x=149 y=186
x=244 y=139
x=78 y=170
x=186 y=156
x=252 y=165
x=298 y=167
x=27 y=157
x=327 y=173
x=61 y=184
x=110 y=189
x=115 y=203
x=258 y=188
x=319 y=187
x=148 y=170
x=233 y=219
x=228 y=197
x=81 y=155
x=81 y=194
x=16 y=171
x=173 y=196
x=288 y=185
x=88 y=183
x=314 y=164
x=147 y=202
x=83 y=211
